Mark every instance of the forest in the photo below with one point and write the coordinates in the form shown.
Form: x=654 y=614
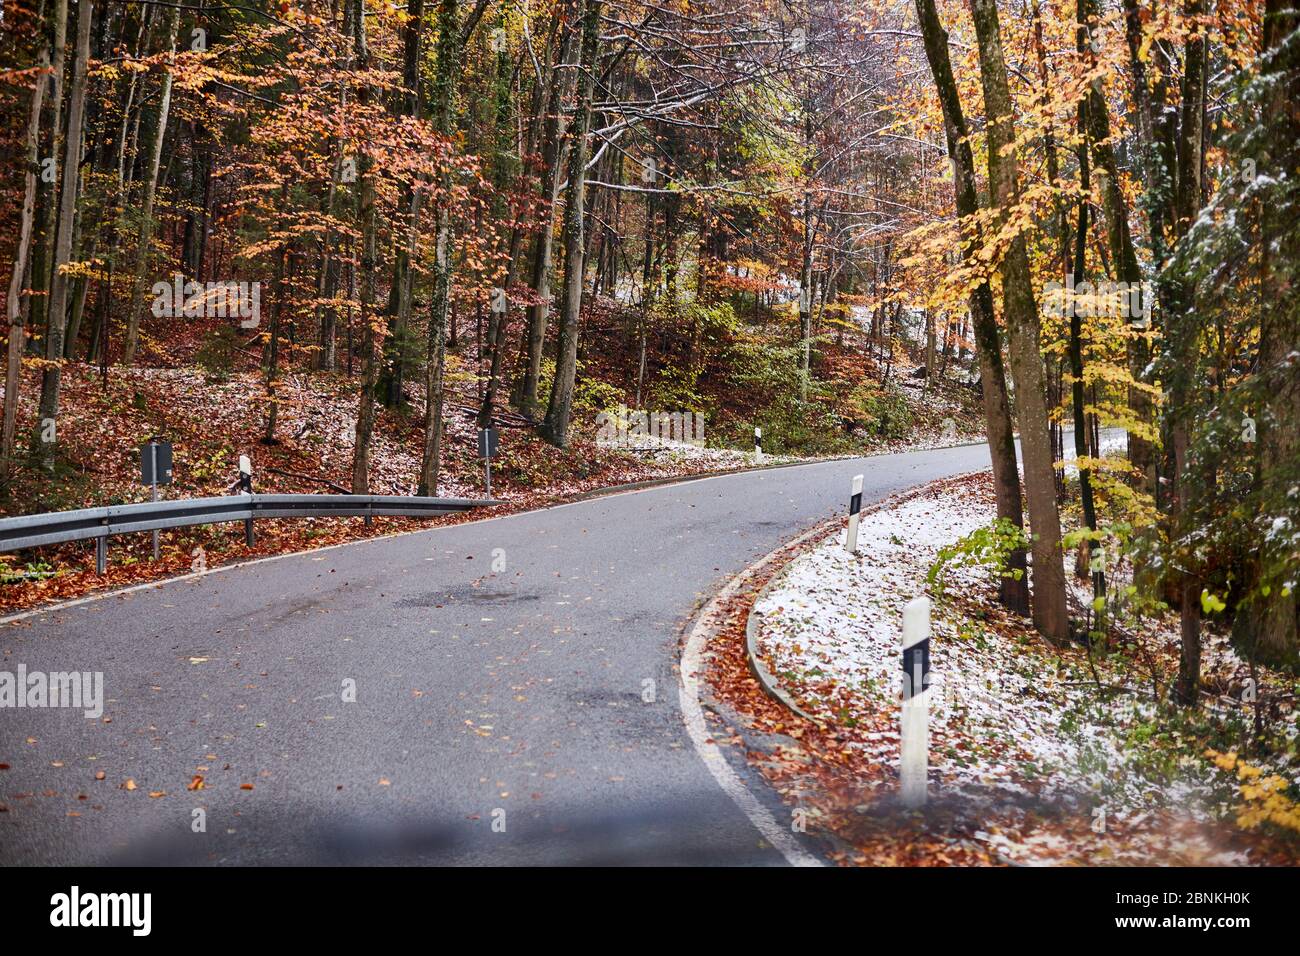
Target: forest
x=1065 y=217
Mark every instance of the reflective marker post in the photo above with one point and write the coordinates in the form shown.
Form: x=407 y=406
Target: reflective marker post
x=246 y=488
x=914 y=738
x=155 y=470
x=855 y=506
x=487 y=447
x=758 y=444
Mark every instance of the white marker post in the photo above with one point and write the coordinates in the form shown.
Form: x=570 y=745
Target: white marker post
x=246 y=488
x=153 y=487
x=855 y=506
x=914 y=755
x=758 y=444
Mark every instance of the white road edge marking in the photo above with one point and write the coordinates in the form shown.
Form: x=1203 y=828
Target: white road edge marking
x=692 y=665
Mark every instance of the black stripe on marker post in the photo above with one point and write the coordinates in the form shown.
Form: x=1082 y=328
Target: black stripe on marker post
x=916 y=668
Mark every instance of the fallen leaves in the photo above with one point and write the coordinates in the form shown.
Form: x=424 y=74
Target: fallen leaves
x=842 y=774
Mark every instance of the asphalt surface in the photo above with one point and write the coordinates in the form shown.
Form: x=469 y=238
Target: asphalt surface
x=515 y=696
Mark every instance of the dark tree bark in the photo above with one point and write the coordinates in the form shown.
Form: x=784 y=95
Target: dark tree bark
x=147 y=224
x=1123 y=254
x=401 y=290
x=436 y=352
x=1021 y=313
x=13 y=302
x=526 y=396
x=555 y=427
x=69 y=192
x=372 y=325
x=997 y=407
x=1183 y=334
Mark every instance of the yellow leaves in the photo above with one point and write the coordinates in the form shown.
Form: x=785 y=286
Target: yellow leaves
x=1264 y=798
x=1222 y=761
x=1144 y=49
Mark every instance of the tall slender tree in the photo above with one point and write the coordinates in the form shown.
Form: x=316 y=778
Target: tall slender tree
x=555 y=427
x=1020 y=311
x=69 y=192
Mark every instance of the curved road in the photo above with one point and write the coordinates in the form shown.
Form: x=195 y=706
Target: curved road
x=514 y=697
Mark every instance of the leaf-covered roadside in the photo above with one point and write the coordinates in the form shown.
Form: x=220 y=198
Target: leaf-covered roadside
x=1038 y=754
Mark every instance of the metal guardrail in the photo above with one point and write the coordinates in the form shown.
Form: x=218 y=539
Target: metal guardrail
x=30 y=531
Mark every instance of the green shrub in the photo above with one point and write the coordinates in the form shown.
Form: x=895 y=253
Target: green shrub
x=883 y=412
x=988 y=547
x=216 y=353
x=592 y=395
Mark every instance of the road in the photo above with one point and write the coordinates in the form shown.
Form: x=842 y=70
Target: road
x=514 y=697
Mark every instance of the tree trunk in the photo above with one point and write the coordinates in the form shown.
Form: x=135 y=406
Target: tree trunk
x=146 y=221
x=436 y=354
x=1183 y=337
x=1279 y=341
x=1141 y=450
x=526 y=397
x=396 y=358
x=1021 y=313
x=997 y=408
x=47 y=199
x=504 y=173
x=555 y=427
x=14 y=365
x=372 y=325
x=805 y=267
x=68 y=194
x=372 y=329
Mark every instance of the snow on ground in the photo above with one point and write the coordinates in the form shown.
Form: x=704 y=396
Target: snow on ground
x=833 y=615
x=666 y=452
x=1012 y=720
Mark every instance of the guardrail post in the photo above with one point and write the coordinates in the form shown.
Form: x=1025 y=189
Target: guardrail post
x=101 y=555
x=914 y=737
x=249 y=538
x=855 y=506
